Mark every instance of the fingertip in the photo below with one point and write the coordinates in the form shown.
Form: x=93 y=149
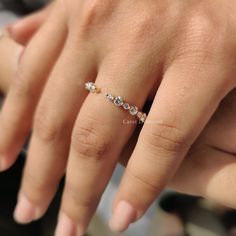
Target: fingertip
x=5 y=163
x=124 y=214
x=67 y=227
x=25 y=211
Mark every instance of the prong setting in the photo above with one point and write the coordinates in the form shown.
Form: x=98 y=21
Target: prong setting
x=118 y=101
x=91 y=87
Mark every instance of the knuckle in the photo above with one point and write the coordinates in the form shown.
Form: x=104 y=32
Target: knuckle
x=200 y=24
x=202 y=33
x=166 y=138
x=143 y=26
x=87 y=142
x=93 y=13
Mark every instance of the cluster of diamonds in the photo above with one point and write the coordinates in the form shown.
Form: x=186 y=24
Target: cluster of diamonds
x=133 y=110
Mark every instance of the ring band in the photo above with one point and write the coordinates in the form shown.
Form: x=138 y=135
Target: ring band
x=119 y=102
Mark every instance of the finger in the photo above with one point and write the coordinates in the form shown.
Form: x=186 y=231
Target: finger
x=181 y=109
x=10 y=53
x=54 y=120
x=24 y=29
x=223 y=123
x=97 y=140
x=208 y=172
x=33 y=69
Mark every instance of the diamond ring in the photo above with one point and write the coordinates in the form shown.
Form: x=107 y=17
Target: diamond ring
x=119 y=102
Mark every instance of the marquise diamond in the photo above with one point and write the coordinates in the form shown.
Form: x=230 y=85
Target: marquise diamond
x=91 y=87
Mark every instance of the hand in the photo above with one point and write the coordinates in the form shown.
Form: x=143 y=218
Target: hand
x=189 y=54
x=209 y=166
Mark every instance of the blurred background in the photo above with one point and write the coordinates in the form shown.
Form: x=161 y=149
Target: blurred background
x=173 y=214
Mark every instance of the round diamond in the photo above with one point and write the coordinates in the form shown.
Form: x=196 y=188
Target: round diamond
x=110 y=97
x=118 y=101
x=126 y=106
x=142 y=117
x=133 y=110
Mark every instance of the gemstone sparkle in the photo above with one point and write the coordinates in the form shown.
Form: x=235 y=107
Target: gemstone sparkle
x=142 y=117
x=126 y=106
x=91 y=87
x=118 y=101
x=133 y=110
x=110 y=97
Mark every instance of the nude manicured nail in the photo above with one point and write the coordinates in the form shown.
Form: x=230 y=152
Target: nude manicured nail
x=25 y=211
x=66 y=227
x=3 y=164
x=124 y=214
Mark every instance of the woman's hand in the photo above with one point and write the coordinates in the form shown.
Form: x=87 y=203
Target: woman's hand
x=210 y=165
x=128 y=48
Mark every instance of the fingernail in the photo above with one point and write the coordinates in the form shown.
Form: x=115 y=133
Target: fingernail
x=66 y=227
x=2 y=164
x=25 y=211
x=124 y=214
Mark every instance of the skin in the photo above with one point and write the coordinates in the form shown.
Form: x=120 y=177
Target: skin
x=190 y=65
x=218 y=171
